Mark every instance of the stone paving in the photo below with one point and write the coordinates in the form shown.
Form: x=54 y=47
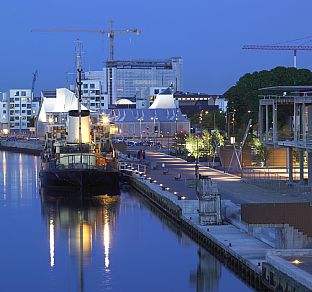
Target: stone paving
x=231 y=187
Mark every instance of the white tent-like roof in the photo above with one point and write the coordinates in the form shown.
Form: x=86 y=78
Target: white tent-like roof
x=65 y=101
x=164 y=100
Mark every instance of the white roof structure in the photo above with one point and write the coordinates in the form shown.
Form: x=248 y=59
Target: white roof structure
x=164 y=100
x=125 y=101
x=65 y=101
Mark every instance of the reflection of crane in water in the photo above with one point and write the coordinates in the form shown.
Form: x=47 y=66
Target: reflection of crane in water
x=208 y=274
x=81 y=222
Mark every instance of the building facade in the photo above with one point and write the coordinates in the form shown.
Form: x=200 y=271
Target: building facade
x=17 y=110
x=131 y=79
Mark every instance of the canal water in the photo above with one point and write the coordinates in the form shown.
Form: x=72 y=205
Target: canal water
x=113 y=244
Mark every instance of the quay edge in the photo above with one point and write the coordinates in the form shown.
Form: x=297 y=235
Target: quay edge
x=27 y=147
x=244 y=269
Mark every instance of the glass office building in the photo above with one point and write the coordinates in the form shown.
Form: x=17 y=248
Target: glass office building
x=130 y=79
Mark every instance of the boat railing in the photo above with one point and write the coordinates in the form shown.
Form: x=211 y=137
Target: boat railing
x=77 y=160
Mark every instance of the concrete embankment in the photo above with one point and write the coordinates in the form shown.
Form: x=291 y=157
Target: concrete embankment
x=34 y=147
x=238 y=250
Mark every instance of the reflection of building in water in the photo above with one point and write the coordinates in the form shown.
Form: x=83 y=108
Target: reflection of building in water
x=18 y=178
x=208 y=273
x=83 y=225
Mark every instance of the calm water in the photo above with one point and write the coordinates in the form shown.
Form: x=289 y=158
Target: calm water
x=112 y=245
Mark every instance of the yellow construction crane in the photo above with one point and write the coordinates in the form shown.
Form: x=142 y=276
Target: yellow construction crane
x=110 y=33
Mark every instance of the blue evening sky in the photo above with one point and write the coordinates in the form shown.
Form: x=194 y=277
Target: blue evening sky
x=207 y=34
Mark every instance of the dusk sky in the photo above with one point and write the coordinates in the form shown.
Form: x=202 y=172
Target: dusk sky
x=207 y=34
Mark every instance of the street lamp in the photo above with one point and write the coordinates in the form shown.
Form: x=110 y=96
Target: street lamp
x=168 y=142
x=154 y=127
x=140 y=120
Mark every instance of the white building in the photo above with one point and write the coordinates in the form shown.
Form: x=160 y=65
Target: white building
x=54 y=108
x=17 y=110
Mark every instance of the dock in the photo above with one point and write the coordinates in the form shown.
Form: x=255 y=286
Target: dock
x=169 y=185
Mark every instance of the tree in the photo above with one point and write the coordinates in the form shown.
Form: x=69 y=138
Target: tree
x=244 y=96
x=204 y=145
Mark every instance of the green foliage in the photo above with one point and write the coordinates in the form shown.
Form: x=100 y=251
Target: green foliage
x=261 y=150
x=193 y=146
x=204 y=145
x=243 y=97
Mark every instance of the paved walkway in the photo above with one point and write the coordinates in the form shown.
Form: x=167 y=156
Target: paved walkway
x=231 y=187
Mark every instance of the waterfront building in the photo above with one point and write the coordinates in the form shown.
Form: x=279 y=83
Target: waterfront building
x=131 y=79
x=149 y=123
x=18 y=111
x=54 y=109
x=192 y=103
x=94 y=96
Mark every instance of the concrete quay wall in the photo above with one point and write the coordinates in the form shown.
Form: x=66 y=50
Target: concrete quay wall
x=34 y=147
x=177 y=211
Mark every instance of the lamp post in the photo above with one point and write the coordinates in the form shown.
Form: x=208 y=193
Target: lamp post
x=168 y=142
x=154 y=127
x=140 y=120
x=196 y=167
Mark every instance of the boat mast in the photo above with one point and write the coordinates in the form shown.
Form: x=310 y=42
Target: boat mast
x=79 y=84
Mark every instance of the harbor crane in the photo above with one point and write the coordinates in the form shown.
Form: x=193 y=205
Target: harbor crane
x=110 y=33
x=280 y=48
x=35 y=76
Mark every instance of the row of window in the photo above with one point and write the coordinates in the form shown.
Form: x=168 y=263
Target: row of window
x=92 y=85
x=12 y=112
x=18 y=118
x=20 y=93
x=95 y=92
x=27 y=99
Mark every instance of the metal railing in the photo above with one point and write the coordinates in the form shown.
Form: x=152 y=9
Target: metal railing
x=274 y=181
x=133 y=167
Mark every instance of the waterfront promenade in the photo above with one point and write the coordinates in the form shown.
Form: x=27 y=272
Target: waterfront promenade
x=231 y=187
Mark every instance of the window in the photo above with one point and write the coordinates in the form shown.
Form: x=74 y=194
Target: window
x=156 y=91
x=23 y=105
x=28 y=105
x=4 y=111
x=4 y=105
x=23 y=93
x=11 y=119
x=11 y=105
x=16 y=118
x=16 y=99
x=16 y=93
x=97 y=92
x=85 y=86
x=92 y=91
x=23 y=112
x=85 y=91
x=11 y=99
x=92 y=85
x=17 y=111
x=29 y=112
x=92 y=104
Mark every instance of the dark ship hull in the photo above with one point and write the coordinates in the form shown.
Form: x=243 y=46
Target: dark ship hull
x=90 y=182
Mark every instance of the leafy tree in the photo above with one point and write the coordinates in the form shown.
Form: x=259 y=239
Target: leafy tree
x=194 y=145
x=203 y=145
x=244 y=96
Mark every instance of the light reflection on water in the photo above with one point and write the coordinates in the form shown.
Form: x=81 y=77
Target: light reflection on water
x=111 y=244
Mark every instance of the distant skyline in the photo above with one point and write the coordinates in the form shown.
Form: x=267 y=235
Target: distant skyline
x=207 y=34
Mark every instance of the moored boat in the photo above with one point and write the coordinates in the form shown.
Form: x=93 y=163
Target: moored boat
x=79 y=158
